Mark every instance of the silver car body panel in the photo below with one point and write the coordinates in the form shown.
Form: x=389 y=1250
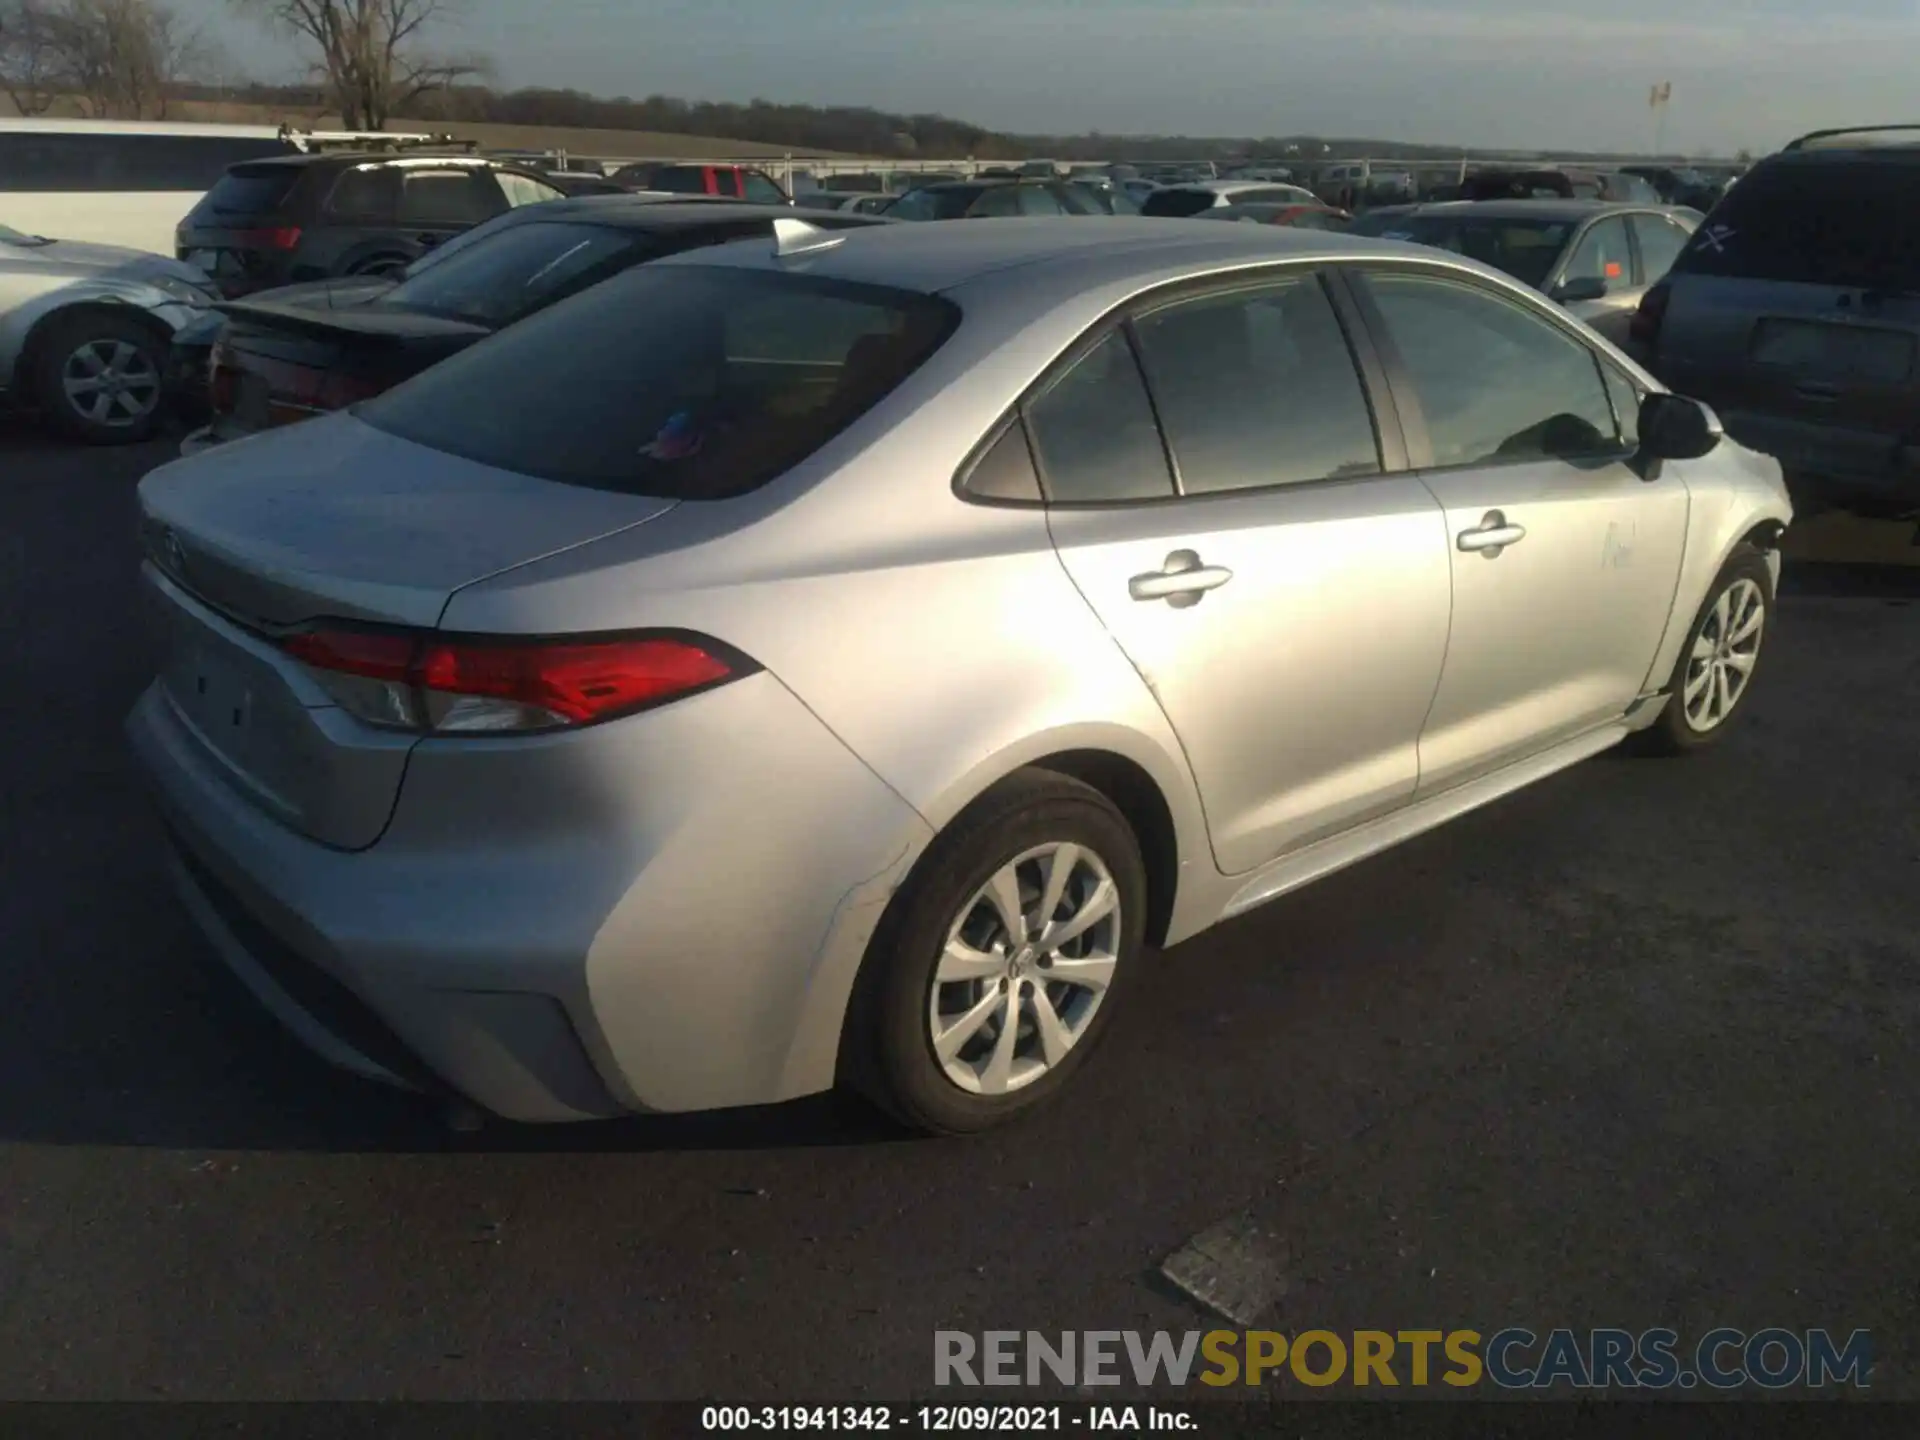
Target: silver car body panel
x=39 y=281
x=694 y=887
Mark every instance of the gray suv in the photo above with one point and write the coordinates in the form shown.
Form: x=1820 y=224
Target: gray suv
x=1795 y=313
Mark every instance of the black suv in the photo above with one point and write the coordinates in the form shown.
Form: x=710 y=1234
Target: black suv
x=311 y=217
x=1795 y=313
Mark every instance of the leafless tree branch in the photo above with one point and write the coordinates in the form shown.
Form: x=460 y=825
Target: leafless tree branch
x=366 y=52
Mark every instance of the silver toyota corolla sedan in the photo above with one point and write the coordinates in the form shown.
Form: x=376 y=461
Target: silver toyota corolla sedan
x=842 y=659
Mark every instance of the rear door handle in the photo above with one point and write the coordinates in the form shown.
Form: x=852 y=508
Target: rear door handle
x=1817 y=390
x=1493 y=535
x=1181 y=582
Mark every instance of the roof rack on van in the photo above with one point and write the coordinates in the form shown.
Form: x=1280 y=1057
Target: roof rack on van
x=315 y=141
x=1822 y=139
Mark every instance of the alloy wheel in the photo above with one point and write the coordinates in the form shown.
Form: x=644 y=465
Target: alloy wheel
x=1725 y=650
x=1027 y=963
x=111 y=383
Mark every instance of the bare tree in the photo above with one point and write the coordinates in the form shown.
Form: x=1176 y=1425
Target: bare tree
x=112 y=58
x=368 y=52
x=30 y=63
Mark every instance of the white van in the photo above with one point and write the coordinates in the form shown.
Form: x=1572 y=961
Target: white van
x=118 y=182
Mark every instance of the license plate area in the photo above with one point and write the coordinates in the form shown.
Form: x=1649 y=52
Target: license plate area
x=213 y=694
x=1819 y=350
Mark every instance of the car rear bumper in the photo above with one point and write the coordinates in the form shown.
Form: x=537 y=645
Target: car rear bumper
x=664 y=913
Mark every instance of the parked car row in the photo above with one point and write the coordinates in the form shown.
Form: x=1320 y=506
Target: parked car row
x=97 y=338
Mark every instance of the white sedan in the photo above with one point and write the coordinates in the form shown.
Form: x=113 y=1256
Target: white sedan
x=84 y=331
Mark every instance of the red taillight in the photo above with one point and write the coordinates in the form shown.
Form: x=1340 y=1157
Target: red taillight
x=284 y=237
x=1644 y=329
x=370 y=654
x=426 y=682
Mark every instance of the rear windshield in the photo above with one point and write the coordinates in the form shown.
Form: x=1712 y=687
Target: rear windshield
x=249 y=190
x=1525 y=249
x=683 y=382
x=515 y=271
x=1176 y=204
x=1843 y=222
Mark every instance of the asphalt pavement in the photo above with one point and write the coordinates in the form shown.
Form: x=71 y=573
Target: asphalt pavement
x=1632 y=1048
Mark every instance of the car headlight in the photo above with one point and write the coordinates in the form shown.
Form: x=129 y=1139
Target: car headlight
x=184 y=291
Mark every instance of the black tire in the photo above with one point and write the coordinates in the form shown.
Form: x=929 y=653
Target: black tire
x=1674 y=733
x=888 y=1051
x=141 y=378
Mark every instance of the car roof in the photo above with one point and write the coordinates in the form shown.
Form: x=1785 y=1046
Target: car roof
x=1566 y=211
x=987 y=182
x=1228 y=187
x=935 y=258
x=634 y=212
x=420 y=157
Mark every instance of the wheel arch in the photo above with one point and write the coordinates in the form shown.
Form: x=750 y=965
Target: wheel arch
x=1150 y=785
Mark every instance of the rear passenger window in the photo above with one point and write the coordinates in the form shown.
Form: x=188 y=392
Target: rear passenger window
x=369 y=192
x=1095 y=434
x=1005 y=470
x=1258 y=387
x=444 y=197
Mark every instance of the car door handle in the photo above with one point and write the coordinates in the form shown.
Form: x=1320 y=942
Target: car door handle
x=1180 y=582
x=1493 y=535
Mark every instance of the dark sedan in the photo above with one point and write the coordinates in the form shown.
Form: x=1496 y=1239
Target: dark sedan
x=287 y=356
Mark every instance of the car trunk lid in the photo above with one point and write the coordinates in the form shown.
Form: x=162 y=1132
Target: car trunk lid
x=280 y=363
x=251 y=541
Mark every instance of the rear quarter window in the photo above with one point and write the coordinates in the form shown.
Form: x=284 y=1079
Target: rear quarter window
x=248 y=190
x=1837 y=221
x=682 y=382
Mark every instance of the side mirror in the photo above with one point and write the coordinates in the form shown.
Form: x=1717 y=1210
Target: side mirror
x=1587 y=287
x=1672 y=427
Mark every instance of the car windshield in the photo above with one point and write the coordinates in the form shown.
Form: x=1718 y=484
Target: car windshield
x=934 y=204
x=514 y=271
x=1844 y=222
x=684 y=382
x=1525 y=249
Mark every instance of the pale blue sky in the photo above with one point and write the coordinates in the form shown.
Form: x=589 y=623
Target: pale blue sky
x=1545 y=73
